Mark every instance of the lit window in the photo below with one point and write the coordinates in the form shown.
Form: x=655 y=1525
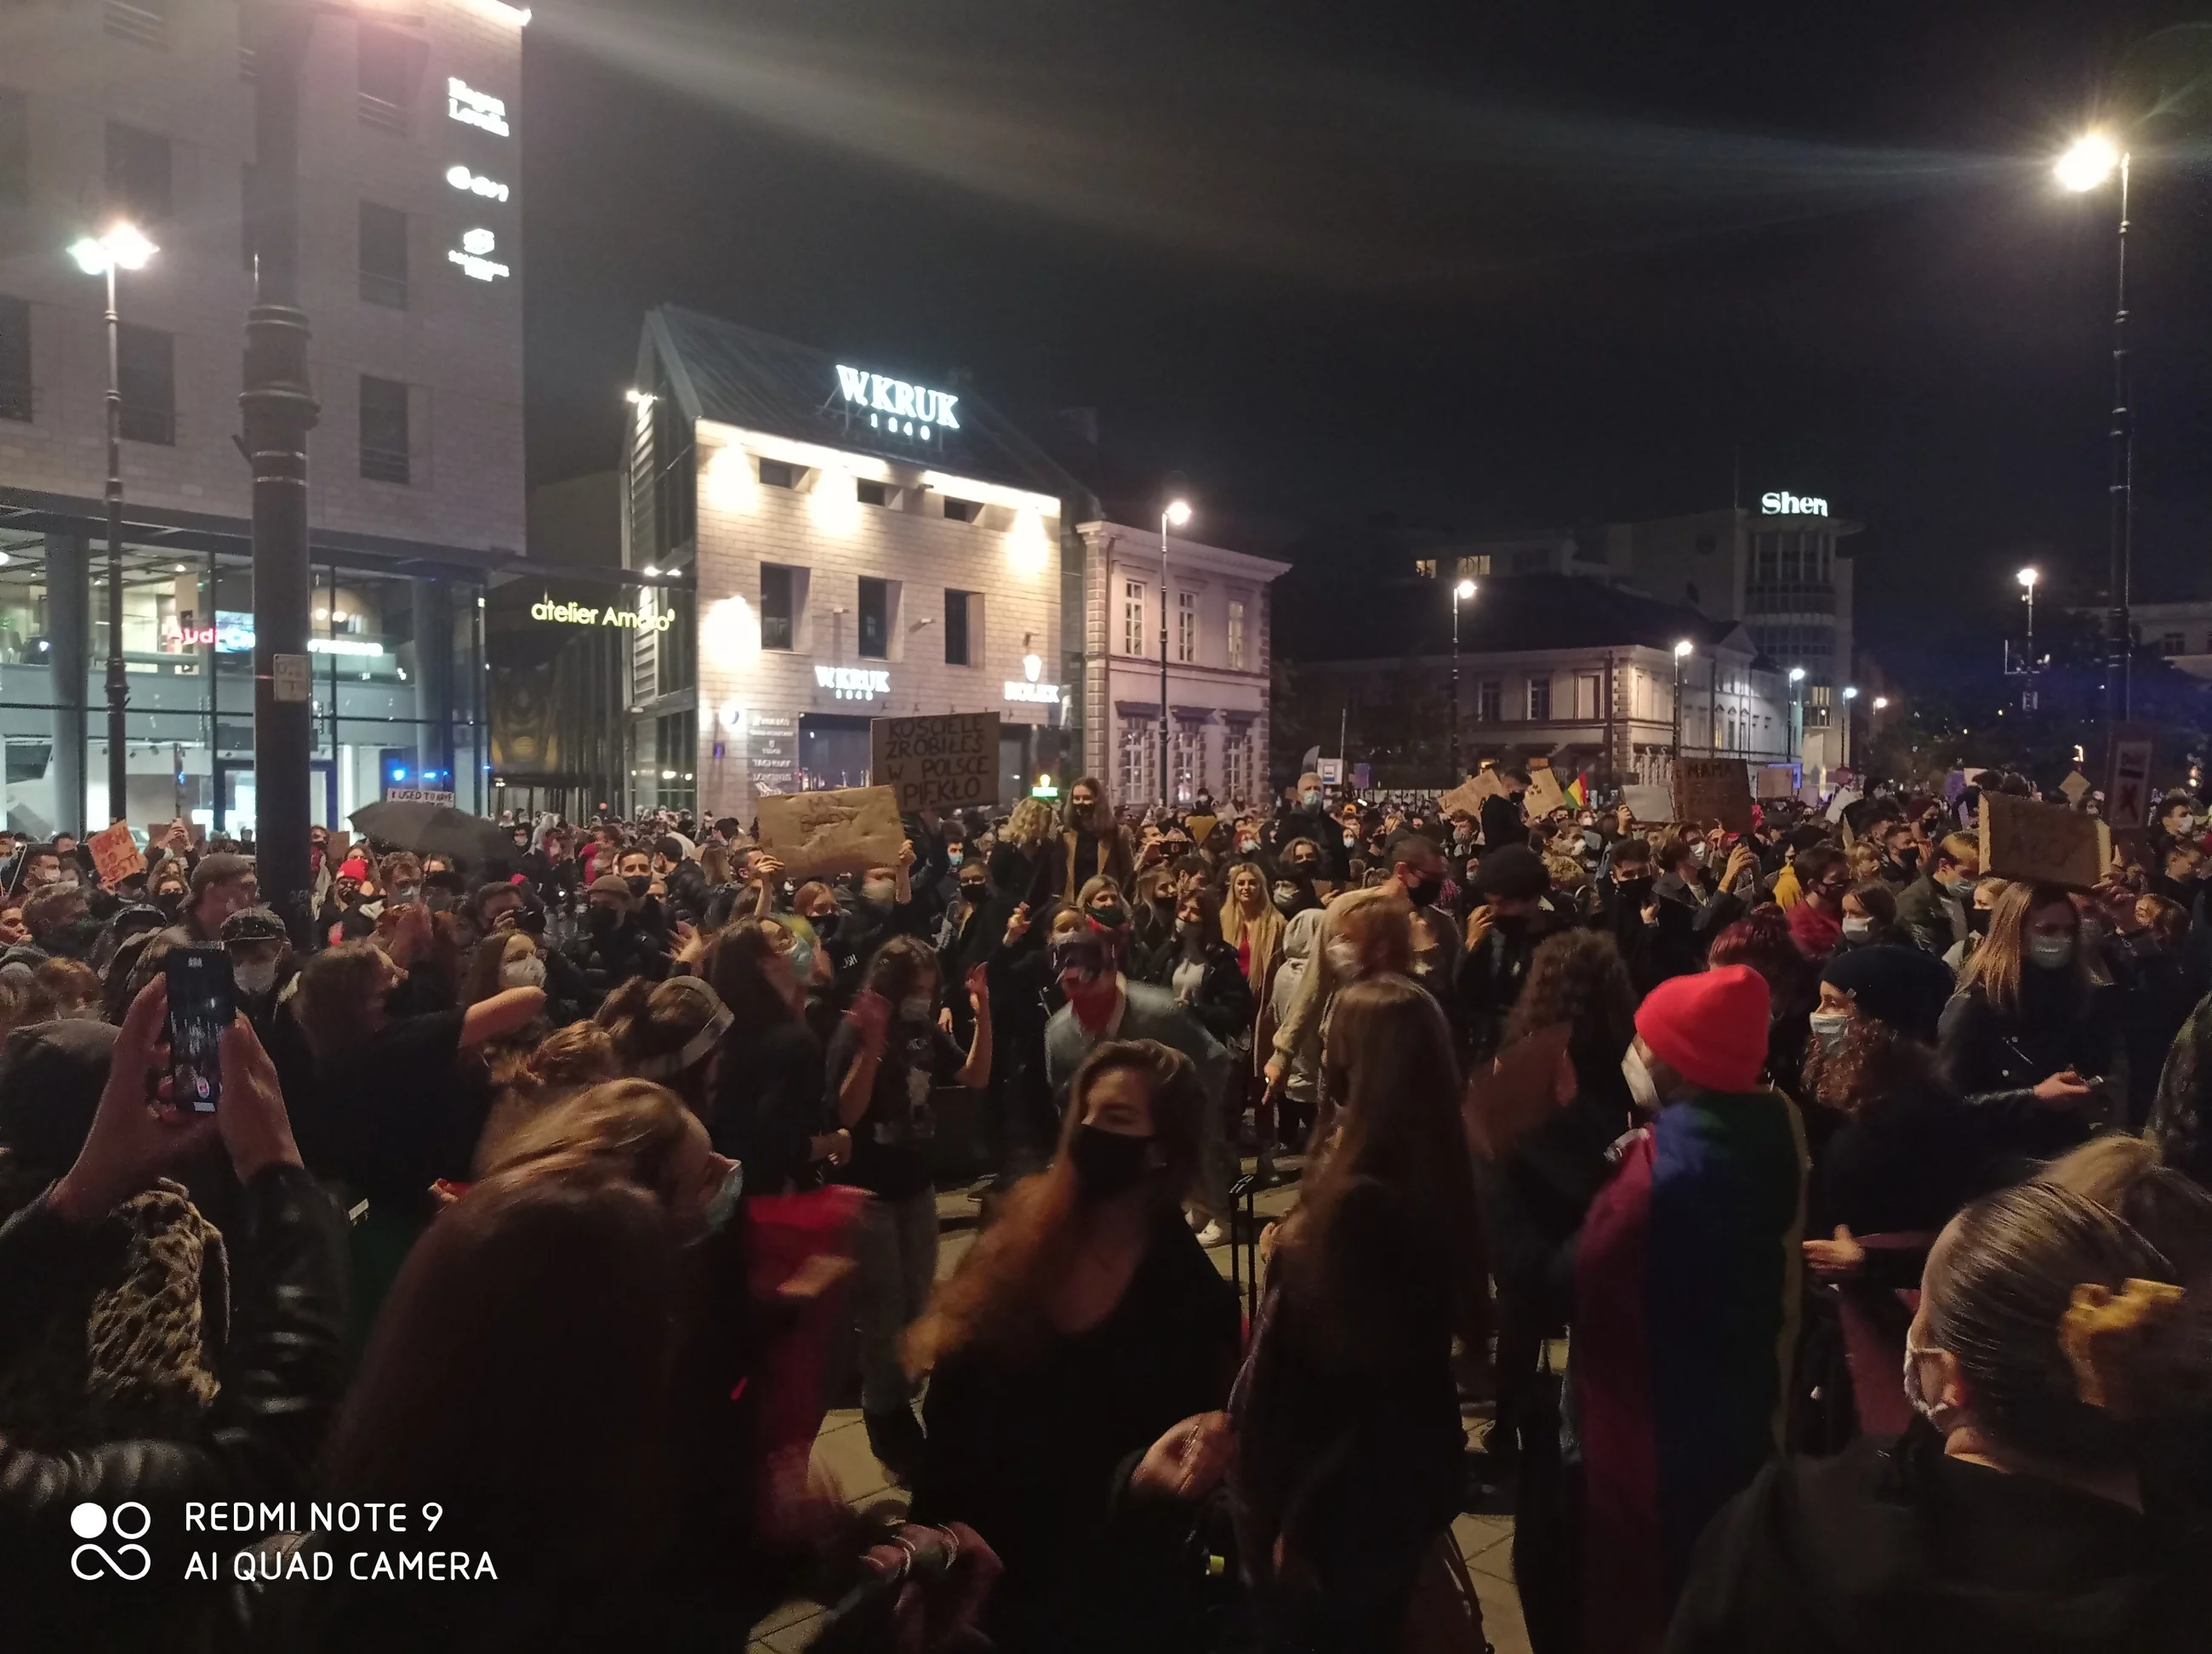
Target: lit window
x=1237 y=634
x=1539 y=700
x=1132 y=618
x=1187 y=627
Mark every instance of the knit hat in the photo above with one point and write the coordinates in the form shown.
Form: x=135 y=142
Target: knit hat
x=1514 y=872
x=352 y=867
x=254 y=925
x=1900 y=986
x=1709 y=1028
x=213 y=869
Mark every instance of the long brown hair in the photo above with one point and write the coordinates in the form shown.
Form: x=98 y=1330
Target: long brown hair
x=996 y=1296
x=1389 y=1055
x=1578 y=978
x=630 y=1129
x=1997 y=962
x=736 y=966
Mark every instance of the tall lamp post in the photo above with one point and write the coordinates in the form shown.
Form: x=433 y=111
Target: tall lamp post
x=1681 y=653
x=2086 y=166
x=1177 y=513
x=1851 y=706
x=2028 y=578
x=1798 y=715
x=1462 y=593
x=123 y=248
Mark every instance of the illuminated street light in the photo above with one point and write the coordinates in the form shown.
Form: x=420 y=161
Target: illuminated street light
x=1796 y=674
x=1851 y=692
x=1881 y=703
x=1177 y=513
x=1462 y=593
x=123 y=247
x=2088 y=162
x=1465 y=592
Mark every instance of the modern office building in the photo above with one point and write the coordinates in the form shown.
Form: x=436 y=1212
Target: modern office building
x=820 y=541
x=1778 y=566
x=1215 y=645
x=410 y=220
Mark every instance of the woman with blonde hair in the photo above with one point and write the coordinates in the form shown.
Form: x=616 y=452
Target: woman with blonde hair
x=1349 y=1444
x=530 y=1081
x=624 y=1130
x=2037 y=1021
x=1079 y=1358
x=1251 y=924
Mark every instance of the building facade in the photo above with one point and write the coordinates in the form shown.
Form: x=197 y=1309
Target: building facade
x=818 y=543
x=2181 y=633
x=410 y=275
x=1216 y=643
x=1779 y=566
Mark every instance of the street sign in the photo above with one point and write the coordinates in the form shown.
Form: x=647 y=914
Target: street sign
x=290 y=677
x=1332 y=772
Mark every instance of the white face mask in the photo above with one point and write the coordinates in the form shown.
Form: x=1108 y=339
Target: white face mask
x=1829 y=1027
x=2184 y=825
x=254 y=977
x=1343 y=958
x=879 y=889
x=523 y=973
x=1641 y=1086
x=1857 y=924
x=2051 y=952
x=915 y=1008
x=1915 y=1397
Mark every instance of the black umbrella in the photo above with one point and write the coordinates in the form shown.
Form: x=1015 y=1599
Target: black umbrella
x=435 y=829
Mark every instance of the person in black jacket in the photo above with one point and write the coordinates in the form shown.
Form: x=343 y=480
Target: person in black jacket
x=1079 y=1360
x=2054 y=1352
x=282 y=1371
x=1201 y=970
x=618 y=945
x=682 y=877
x=768 y=1114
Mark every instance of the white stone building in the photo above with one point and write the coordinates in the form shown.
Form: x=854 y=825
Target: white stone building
x=1217 y=646
x=411 y=267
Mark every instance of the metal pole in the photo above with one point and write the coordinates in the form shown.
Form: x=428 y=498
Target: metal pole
x=2119 y=641
x=119 y=692
x=279 y=410
x=1166 y=786
x=1457 y=774
x=1678 y=706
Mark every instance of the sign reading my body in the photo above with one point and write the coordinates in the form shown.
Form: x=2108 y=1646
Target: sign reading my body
x=582 y=614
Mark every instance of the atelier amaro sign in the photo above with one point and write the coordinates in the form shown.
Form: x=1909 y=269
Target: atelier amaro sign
x=583 y=614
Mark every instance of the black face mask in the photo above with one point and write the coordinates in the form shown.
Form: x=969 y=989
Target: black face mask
x=605 y=921
x=1108 y=916
x=1637 y=890
x=639 y=884
x=825 y=924
x=1909 y=857
x=972 y=892
x=1978 y=920
x=1426 y=892
x=1107 y=1163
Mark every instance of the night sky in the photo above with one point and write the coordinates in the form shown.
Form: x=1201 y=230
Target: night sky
x=1482 y=266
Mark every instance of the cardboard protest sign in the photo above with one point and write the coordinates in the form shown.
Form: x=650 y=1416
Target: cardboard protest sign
x=2127 y=786
x=1646 y=804
x=1713 y=789
x=1516 y=1093
x=115 y=855
x=1777 y=780
x=2047 y=843
x=949 y=762
x=844 y=829
x=1543 y=795
x=1469 y=794
x=2076 y=786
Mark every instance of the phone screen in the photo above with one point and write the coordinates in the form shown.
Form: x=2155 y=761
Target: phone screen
x=200 y=1008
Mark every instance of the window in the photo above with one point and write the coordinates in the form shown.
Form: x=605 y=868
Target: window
x=138 y=182
x=146 y=373
x=956 y=628
x=1237 y=634
x=875 y=619
x=1489 y=702
x=876 y=494
x=1539 y=700
x=1138 y=738
x=1237 y=764
x=383 y=255
x=775 y=473
x=1187 y=627
x=15 y=148
x=1132 y=618
x=1587 y=684
x=383 y=430
x=1190 y=759
x=15 y=358
x=777 y=610
x=391 y=73
x=963 y=511
x=143 y=23
x=2172 y=643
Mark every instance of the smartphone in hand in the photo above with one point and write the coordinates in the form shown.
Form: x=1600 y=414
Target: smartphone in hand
x=202 y=1005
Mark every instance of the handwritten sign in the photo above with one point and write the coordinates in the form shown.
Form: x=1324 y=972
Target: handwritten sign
x=1469 y=795
x=1543 y=795
x=1713 y=789
x=2127 y=794
x=949 y=762
x=844 y=829
x=2045 y=843
x=115 y=855
x=1645 y=804
x=1777 y=780
x=416 y=795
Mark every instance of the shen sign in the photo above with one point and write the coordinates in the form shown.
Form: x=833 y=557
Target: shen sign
x=950 y=761
x=1792 y=505
x=911 y=410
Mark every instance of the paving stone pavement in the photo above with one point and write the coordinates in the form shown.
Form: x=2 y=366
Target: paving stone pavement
x=1485 y=1542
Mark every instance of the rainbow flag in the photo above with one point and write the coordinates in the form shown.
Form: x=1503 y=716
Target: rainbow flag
x=1578 y=791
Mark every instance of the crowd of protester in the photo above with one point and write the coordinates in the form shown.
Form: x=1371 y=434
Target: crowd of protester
x=1813 y=1230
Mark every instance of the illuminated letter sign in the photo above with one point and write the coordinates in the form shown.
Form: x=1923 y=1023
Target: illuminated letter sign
x=1792 y=505
x=583 y=614
x=473 y=108
x=471 y=255
x=1047 y=694
x=475 y=184
x=853 y=683
x=894 y=405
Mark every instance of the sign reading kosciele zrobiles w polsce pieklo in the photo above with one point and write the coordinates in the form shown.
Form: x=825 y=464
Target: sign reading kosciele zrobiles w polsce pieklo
x=950 y=761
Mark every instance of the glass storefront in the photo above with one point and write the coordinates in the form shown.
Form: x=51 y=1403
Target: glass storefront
x=399 y=684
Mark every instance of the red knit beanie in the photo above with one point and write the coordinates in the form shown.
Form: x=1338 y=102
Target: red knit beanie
x=1709 y=1028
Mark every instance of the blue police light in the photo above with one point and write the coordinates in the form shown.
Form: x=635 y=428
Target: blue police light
x=398 y=772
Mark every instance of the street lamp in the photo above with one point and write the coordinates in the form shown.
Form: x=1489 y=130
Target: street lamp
x=2028 y=578
x=1462 y=593
x=2086 y=166
x=1682 y=651
x=1881 y=703
x=1798 y=715
x=1851 y=696
x=1177 y=513
x=124 y=246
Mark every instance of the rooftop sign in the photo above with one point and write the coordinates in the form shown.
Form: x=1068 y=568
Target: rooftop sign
x=894 y=405
x=1792 y=505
